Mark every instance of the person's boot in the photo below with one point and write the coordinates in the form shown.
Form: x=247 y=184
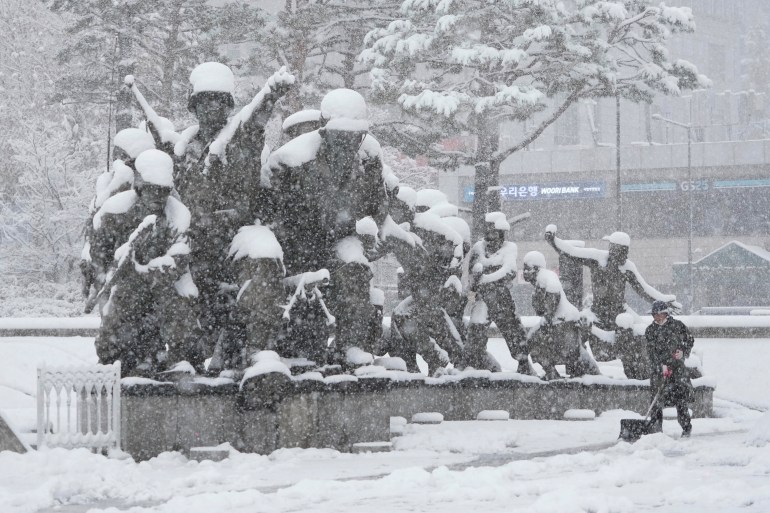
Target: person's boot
x=687 y=431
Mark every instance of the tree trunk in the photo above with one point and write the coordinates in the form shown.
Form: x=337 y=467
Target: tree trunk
x=487 y=174
x=123 y=97
x=169 y=61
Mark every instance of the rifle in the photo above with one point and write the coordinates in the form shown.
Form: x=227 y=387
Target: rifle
x=123 y=264
x=304 y=283
x=154 y=121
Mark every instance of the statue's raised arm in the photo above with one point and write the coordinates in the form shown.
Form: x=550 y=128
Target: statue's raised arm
x=162 y=129
x=248 y=125
x=644 y=289
x=585 y=256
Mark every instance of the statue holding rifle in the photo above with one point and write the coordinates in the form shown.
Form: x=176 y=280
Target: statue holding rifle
x=129 y=144
x=217 y=175
x=149 y=289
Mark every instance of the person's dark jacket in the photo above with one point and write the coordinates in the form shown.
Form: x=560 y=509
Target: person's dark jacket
x=662 y=342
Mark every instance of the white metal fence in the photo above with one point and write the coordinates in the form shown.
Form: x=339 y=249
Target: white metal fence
x=79 y=406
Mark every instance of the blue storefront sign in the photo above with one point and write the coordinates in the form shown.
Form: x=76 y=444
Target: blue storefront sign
x=545 y=191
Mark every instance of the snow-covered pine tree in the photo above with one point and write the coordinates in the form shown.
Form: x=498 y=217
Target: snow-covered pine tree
x=465 y=66
x=415 y=174
x=319 y=41
x=159 y=41
x=50 y=153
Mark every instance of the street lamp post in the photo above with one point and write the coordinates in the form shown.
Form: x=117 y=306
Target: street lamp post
x=618 y=185
x=690 y=187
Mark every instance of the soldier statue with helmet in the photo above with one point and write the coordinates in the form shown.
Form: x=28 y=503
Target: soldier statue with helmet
x=217 y=174
x=328 y=204
x=149 y=289
x=492 y=270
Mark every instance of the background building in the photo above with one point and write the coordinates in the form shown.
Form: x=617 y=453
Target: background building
x=569 y=176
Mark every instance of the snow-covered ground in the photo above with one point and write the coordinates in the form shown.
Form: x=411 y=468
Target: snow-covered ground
x=538 y=466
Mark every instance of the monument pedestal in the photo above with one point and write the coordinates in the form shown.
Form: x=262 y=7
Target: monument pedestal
x=273 y=411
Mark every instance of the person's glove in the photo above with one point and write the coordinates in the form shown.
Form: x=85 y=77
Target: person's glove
x=678 y=354
x=666 y=371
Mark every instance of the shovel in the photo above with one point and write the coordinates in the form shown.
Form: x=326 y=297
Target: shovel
x=632 y=430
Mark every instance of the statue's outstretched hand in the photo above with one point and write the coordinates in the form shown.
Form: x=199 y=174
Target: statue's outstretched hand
x=550 y=232
x=280 y=83
x=675 y=307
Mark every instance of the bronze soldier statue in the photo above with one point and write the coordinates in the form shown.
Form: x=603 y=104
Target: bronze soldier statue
x=328 y=203
x=611 y=270
x=149 y=287
x=421 y=323
x=492 y=270
x=217 y=174
x=557 y=338
x=129 y=143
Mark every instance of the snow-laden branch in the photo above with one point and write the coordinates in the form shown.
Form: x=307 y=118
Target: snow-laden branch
x=501 y=155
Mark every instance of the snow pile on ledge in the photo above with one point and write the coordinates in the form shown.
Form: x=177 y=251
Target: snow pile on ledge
x=265 y=362
x=397 y=425
x=357 y=356
x=575 y=414
x=182 y=367
x=391 y=363
x=431 y=417
x=493 y=415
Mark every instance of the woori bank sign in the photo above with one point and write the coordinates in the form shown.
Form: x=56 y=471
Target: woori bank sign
x=546 y=191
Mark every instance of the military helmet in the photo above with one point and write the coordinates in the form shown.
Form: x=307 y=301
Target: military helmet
x=212 y=79
x=154 y=167
x=344 y=109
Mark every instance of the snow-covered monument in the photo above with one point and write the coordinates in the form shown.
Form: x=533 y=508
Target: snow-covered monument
x=235 y=287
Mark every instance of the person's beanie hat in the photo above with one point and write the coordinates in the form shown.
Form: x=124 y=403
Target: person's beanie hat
x=659 y=307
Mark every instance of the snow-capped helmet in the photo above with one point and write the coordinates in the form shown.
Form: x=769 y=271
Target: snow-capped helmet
x=495 y=231
x=134 y=141
x=498 y=221
x=299 y=123
x=211 y=79
x=459 y=225
x=344 y=110
x=438 y=236
x=300 y=117
x=534 y=259
x=619 y=238
x=533 y=262
x=620 y=244
x=154 y=167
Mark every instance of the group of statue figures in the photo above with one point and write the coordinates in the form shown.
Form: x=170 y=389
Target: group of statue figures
x=205 y=248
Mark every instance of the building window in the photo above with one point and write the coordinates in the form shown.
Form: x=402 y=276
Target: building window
x=566 y=132
x=717 y=62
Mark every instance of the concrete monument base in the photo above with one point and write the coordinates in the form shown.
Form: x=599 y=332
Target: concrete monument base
x=9 y=439
x=273 y=411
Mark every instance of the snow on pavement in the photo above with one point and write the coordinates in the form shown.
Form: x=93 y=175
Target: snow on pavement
x=533 y=465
